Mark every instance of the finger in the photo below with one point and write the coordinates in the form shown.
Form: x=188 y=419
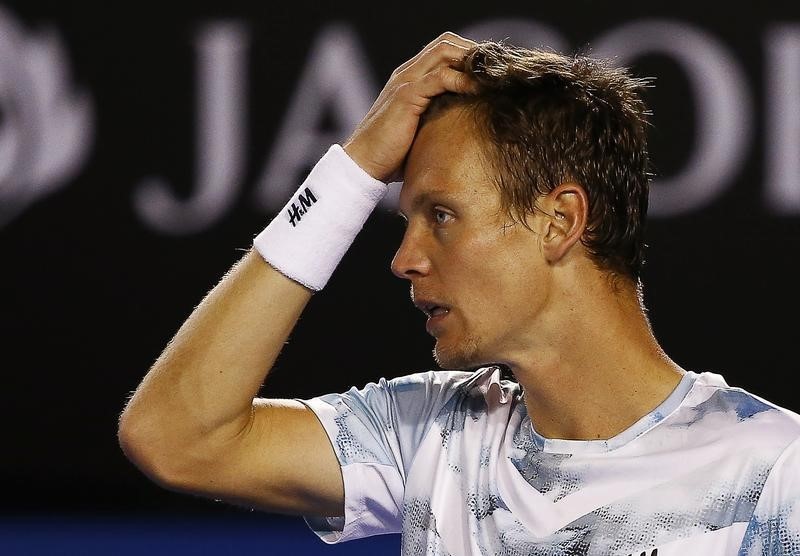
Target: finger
x=444 y=53
x=446 y=79
x=452 y=37
x=441 y=80
x=461 y=48
x=448 y=37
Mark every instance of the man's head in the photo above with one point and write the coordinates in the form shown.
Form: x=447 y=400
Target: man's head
x=515 y=195
x=547 y=119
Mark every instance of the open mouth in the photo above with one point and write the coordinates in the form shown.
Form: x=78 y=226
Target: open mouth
x=433 y=310
x=436 y=314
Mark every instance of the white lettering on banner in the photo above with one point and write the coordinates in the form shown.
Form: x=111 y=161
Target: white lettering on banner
x=46 y=126
x=723 y=116
x=336 y=79
x=782 y=128
x=220 y=159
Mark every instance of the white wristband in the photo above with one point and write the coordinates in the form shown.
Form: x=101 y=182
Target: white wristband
x=311 y=234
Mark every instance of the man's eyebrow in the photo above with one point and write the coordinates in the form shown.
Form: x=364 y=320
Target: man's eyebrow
x=423 y=199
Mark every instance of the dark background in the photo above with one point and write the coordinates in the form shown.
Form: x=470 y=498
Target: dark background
x=92 y=292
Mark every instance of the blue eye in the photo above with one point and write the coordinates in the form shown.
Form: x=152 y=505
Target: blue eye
x=440 y=216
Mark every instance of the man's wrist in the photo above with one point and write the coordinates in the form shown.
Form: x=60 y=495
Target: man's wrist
x=309 y=236
x=363 y=161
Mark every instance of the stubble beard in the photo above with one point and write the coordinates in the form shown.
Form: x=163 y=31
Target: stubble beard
x=463 y=355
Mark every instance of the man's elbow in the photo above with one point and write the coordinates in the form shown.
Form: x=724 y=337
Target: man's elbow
x=143 y=443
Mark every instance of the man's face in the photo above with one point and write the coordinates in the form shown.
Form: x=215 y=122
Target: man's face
x=481 y=277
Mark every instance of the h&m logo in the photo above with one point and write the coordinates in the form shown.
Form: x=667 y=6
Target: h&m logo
x=653 y=553
x=306 y=199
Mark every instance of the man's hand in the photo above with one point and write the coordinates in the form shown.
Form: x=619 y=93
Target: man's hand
x=382 y=140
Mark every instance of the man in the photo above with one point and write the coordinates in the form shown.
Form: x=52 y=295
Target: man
x=525 y=180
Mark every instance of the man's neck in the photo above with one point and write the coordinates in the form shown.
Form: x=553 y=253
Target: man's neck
x=601 y=377
x=597 y=405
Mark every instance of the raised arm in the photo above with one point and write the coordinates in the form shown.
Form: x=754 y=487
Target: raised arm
x=194 y=423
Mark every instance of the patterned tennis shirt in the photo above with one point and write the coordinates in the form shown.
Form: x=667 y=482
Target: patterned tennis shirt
x=452 y=461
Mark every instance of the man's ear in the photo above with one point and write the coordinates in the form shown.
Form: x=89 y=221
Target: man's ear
x=567 y=207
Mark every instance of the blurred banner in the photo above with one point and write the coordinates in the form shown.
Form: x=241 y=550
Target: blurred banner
x=143 y=145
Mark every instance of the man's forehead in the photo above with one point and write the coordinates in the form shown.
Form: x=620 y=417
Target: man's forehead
x=446 y=140
x=447 y=160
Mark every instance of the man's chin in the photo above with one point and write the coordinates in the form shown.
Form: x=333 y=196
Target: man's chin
x=456 y=357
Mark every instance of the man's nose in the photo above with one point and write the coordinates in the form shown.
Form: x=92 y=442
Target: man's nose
x=410 y=260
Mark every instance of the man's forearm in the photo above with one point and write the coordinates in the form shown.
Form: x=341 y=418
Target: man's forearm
x=201 y=388
x=196 y=403
x=192 y=423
